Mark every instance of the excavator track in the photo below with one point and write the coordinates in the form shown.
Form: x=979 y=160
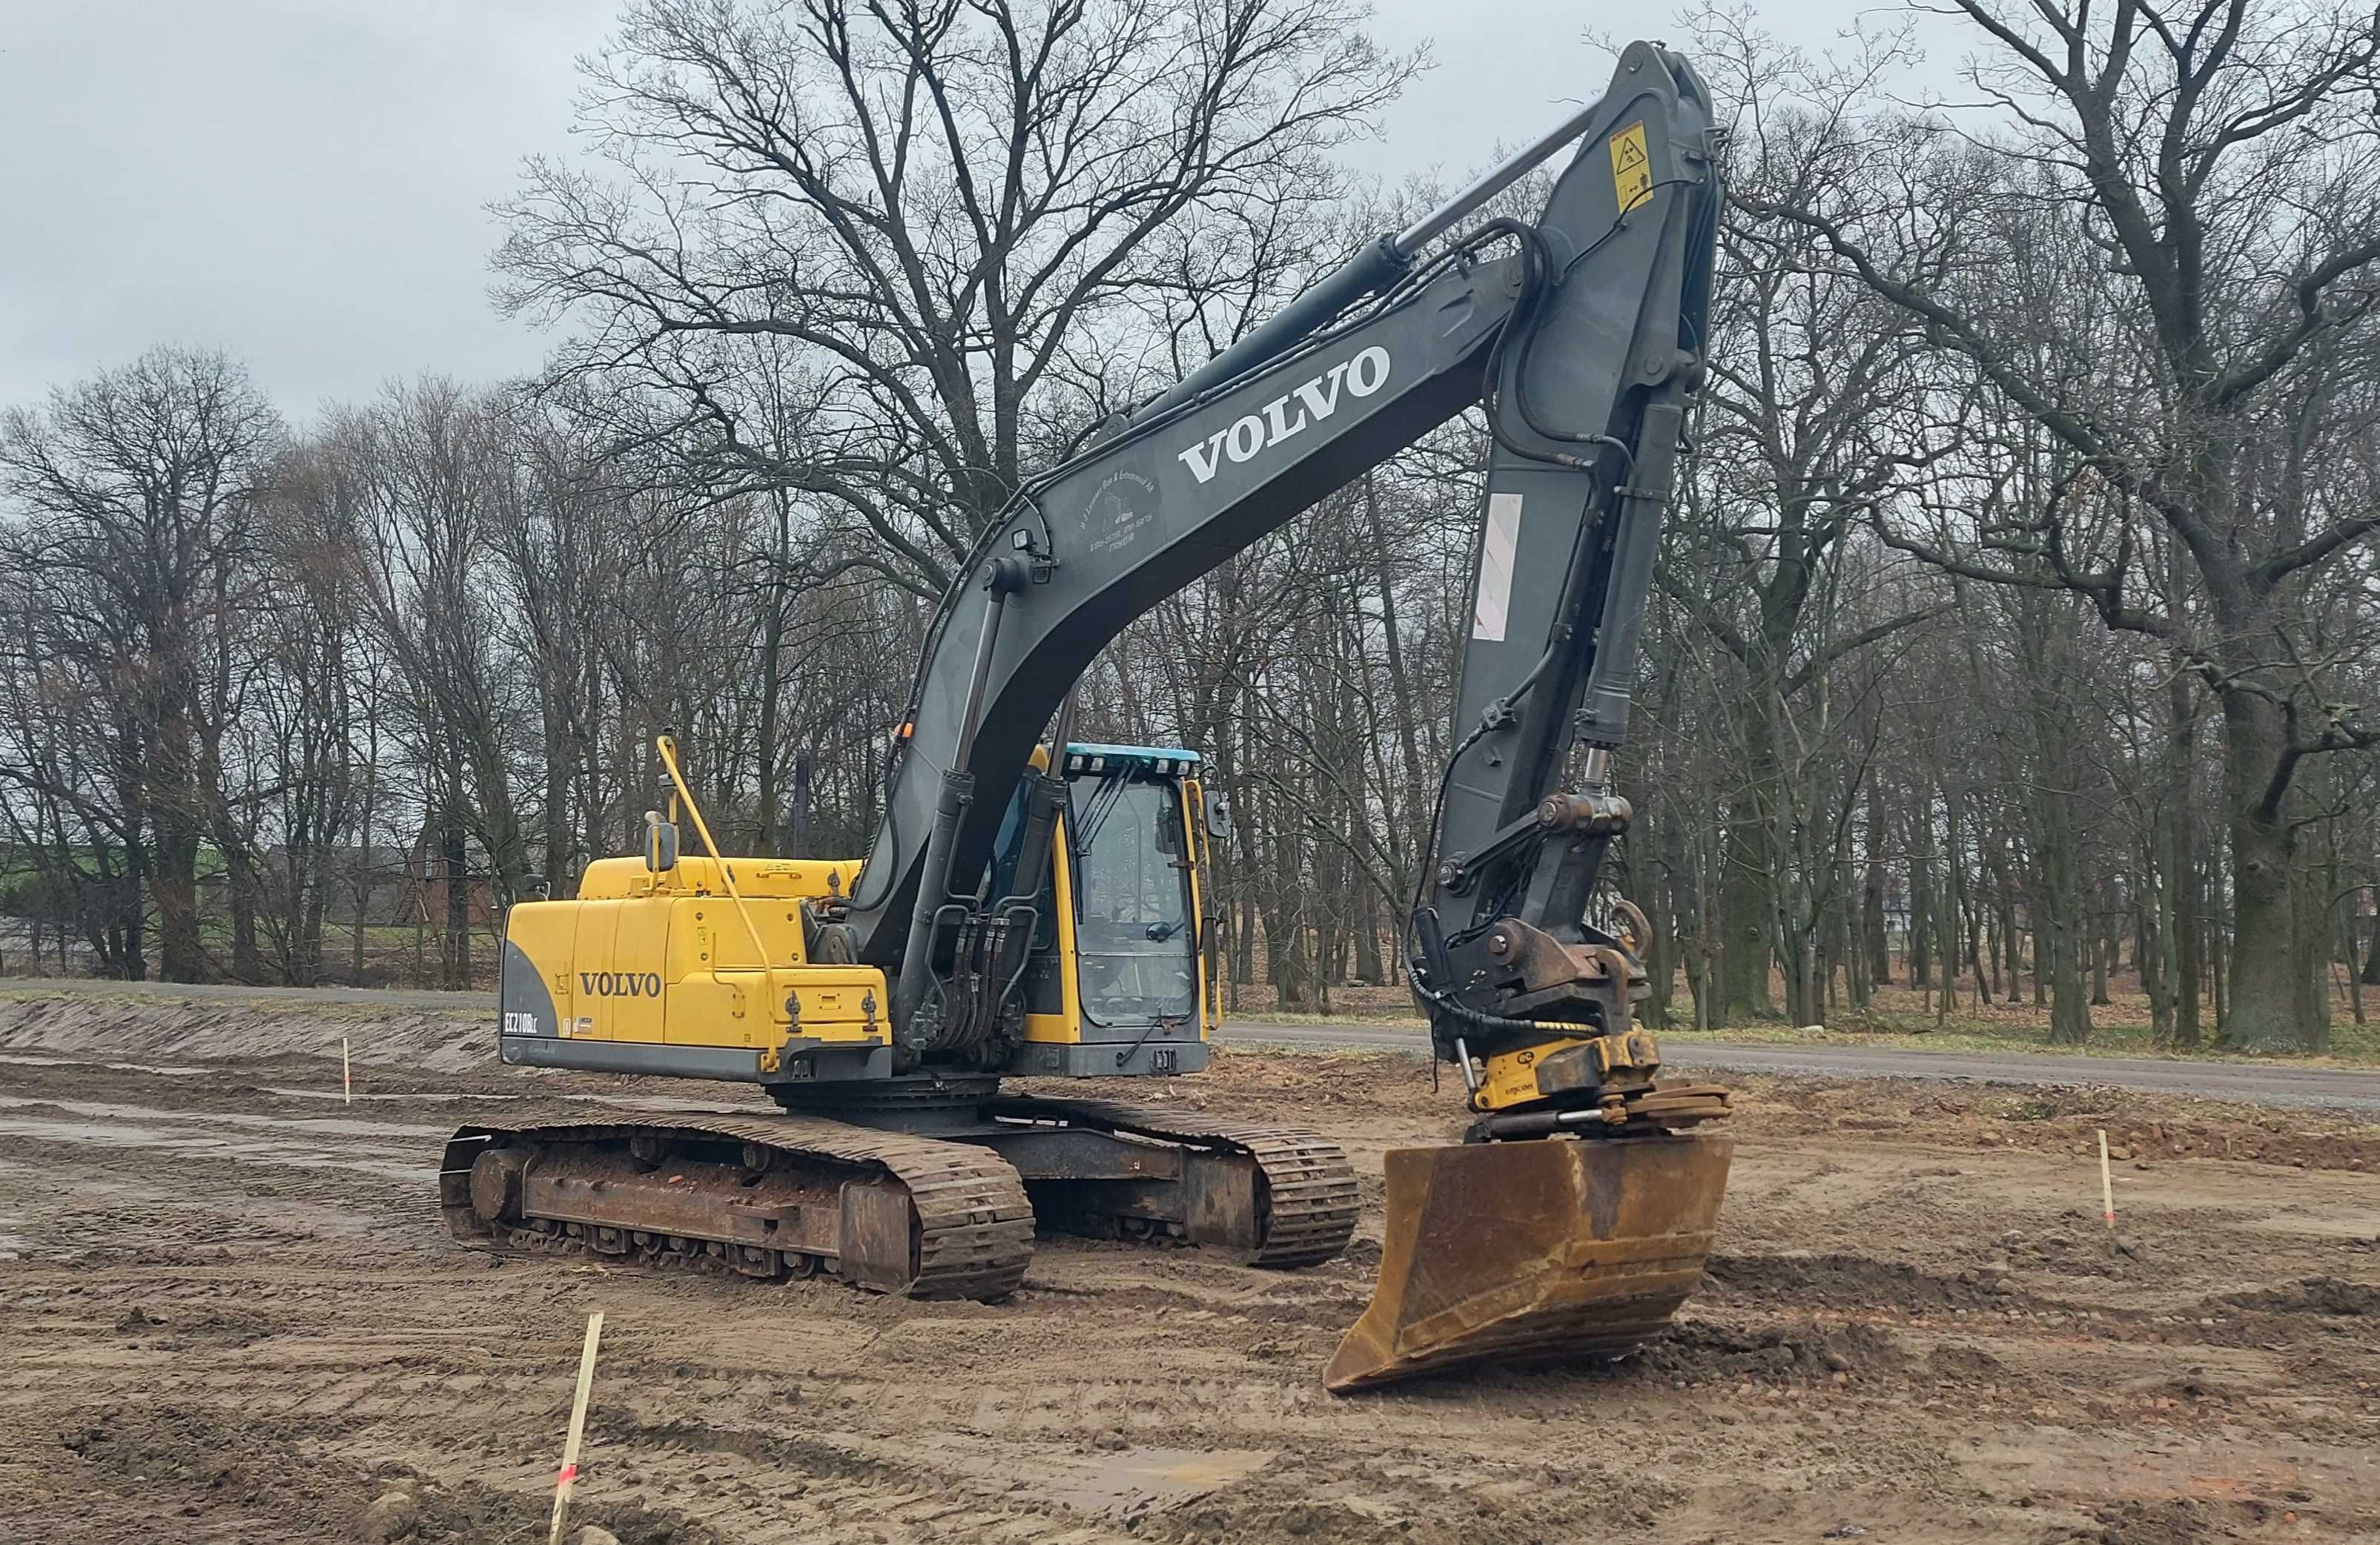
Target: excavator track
x=1302 y=1208
x=766 y=1197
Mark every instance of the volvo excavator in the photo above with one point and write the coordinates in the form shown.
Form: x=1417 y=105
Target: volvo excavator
x=1031 y=906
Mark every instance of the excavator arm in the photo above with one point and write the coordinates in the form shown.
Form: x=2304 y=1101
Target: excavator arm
x=1578 y=333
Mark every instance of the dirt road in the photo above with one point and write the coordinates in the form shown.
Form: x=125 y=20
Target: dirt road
x=2260 y=1083
x=229 y=1312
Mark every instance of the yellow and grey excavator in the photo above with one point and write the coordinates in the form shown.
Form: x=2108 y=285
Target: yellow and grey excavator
x=1033 y=907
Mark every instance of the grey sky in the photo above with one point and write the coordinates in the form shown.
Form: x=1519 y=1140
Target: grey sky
x=303 y=182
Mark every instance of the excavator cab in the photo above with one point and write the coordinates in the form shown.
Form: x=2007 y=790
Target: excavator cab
x=1119 y=950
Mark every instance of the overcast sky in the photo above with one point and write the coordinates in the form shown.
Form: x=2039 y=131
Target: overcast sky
x=304 y=182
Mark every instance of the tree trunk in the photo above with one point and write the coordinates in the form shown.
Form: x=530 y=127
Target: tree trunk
x=2152 y=954
x=1370 y=969
x=1921 y=892
x=242 y=891
x=2181 y=878
x=797 y=843
x=1948 y=998
x=2265 y=1000
x=1746 y=907
x=2313 y=884
x=1660 y=957
x=2103 y=944
x=2347 y=946
x=174 y=885
x=768 y=836
x=2060 y=936
x=1880 y=949
x=455 y=858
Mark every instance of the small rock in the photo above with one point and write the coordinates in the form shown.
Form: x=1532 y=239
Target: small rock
x=2119 y=1154
x=2140 y=1163
x=392 y=1517
x=1997 y=1266
x=2131 y=1247
x=591 y=1535
x=2006 y=1285
x=1836 y=1362
x=1814 y=1030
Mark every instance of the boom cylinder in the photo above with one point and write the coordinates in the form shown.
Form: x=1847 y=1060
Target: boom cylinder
x=917 y=958
x=1443 y=219
x=950 y=808
x=1380 y=265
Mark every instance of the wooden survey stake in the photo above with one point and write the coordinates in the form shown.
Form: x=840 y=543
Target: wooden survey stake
x=570 y=1472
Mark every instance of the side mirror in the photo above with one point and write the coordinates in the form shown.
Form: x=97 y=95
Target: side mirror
x=536 y=887
x=661 y=842
x=1219 y=818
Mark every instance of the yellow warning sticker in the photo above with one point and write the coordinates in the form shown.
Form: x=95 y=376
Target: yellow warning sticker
x=1632 y=166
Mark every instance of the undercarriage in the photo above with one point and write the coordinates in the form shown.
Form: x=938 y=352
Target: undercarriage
x=937 y=1195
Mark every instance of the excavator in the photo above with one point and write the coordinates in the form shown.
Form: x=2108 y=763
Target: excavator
x=1033 y=905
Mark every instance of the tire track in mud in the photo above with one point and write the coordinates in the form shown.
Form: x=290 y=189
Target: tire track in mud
x=1853 y=1358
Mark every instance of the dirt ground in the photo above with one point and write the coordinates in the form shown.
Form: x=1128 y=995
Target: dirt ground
x=229 y=1313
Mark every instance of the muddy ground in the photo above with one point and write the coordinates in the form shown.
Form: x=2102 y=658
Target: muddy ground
x=229 y=1313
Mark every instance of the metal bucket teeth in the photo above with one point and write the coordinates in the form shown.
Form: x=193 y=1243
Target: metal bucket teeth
x=1532 y=1252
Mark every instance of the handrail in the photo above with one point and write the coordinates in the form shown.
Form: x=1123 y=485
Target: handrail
x=667 y=746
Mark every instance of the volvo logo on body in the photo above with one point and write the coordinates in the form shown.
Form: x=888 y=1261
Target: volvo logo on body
x=620 y=984
x=1313 y=401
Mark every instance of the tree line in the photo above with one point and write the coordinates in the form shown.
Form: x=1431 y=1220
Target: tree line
x=2014 y=622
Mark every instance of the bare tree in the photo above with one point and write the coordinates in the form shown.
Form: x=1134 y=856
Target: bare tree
x=957 y=213
x=2222 y=169
x=135 y=500
x=1806 y=424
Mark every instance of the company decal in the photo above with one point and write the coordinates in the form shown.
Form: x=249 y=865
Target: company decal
x=1124 y=506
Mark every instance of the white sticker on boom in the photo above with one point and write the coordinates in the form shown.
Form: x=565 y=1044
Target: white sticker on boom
x=1488 y=613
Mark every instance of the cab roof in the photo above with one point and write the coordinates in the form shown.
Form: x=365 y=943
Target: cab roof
x=1081 y=755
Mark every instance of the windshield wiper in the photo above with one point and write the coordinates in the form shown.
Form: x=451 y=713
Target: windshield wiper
x=1104 y=801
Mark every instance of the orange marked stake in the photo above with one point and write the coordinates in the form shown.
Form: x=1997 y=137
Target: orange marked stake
x=568 y=1475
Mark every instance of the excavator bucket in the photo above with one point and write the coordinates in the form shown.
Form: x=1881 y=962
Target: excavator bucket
x=1532 y=1252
